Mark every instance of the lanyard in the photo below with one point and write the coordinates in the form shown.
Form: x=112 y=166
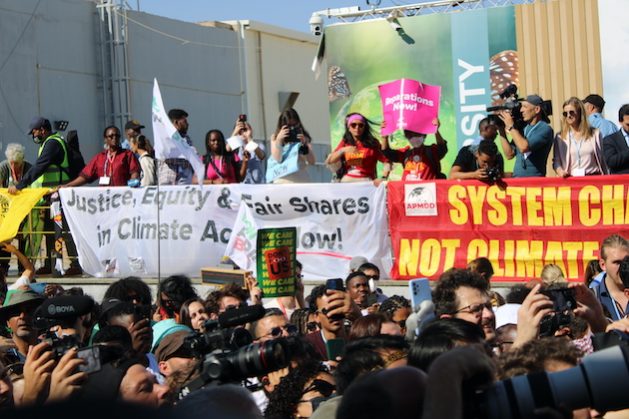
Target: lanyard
x=109 y=160
x=577 y=146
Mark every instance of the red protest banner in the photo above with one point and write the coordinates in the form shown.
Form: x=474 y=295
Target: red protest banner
x=520 y=226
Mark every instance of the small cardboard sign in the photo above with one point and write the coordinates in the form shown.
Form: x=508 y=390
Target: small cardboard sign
x=276 y=256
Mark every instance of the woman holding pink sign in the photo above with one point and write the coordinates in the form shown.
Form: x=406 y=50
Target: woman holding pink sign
x=359 y=152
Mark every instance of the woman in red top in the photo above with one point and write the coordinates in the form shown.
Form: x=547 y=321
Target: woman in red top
x=112 y=167
x=222 y=166
x=359 y=151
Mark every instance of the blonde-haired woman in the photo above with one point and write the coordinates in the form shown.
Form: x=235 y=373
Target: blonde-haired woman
x=578 y=147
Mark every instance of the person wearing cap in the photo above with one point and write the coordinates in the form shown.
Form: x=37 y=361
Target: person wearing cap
x=50 y=170
x=531 y=147
x=616 y=146
x=17 y=312
x=172 y=354
x=594 y=105
x=111 y=167
x=132 y=129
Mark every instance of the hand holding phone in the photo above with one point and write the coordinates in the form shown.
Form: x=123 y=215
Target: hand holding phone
x=419 y=291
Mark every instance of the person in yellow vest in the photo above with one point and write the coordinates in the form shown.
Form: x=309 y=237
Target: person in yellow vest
x=50 y=170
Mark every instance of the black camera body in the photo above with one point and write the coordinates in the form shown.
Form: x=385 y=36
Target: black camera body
x=293 y=132
x=493 y=174
x=60 y=346
x=563 y=303
x=513 y=104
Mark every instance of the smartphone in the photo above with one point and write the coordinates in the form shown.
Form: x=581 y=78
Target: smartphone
x=336 y=284
x=420 y=291
x=334 y=348
x=372 y=299
x=242 y=118
x=91 y=355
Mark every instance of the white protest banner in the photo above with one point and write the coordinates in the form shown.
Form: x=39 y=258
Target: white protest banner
x=169 y=144
x=116 y=229
x=334 y=223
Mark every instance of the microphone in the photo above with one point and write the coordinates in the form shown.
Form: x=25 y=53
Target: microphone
x=241 y=315
x=65 y=306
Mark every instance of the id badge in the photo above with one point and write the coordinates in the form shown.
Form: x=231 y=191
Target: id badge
x=104 y=181
x=578 y=172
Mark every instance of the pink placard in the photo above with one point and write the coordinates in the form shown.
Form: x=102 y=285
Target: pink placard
x=409 y=105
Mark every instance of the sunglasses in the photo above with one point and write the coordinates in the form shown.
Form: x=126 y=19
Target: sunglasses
x=571 y=113
x=276 y=332
x=113 y=136
x=374 y=277
x=356 y=125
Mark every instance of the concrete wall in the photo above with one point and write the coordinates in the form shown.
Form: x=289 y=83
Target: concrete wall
x=48 y=68
x=201 y=75
x=53 y=63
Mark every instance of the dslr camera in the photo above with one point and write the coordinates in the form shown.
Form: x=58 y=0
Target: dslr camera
x=227 y=353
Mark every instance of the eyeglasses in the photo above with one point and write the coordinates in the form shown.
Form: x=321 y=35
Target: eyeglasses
x=312 y=326
x=276 y=332
x=112 y=136
x=357 y=125
x=571 y=113
x=474 y=308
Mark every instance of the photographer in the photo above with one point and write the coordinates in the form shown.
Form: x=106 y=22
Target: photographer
x=255 y=166
x=290 y=135
x=530 y=148
x=484 y=164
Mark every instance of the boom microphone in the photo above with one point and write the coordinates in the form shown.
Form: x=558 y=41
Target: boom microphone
x=239 y=316
x=65 y=306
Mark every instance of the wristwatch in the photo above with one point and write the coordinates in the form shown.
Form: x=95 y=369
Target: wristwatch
x=510 y=128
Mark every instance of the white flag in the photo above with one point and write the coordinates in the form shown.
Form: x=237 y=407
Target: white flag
x=241 y=248
x=169 y=144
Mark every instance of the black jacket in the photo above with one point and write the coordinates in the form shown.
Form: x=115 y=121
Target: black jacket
x=616 y=153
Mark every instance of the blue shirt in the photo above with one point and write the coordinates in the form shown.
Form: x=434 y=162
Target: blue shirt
x=533 y=163
x=605 y=126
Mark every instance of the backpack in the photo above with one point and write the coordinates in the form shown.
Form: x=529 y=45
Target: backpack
x=76 y=163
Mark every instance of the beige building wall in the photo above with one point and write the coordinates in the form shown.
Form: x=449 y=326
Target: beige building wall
x=278 y=60
x=559 y=50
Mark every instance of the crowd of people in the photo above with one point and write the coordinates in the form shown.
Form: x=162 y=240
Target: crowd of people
x=343 y=350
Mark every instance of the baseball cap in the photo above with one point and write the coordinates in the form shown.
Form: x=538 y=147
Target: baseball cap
x=133 y=124
x=535 y=100
x=164 y=328
x=357 y=262
x=173 y=345
x=36 y=123
x=595 y=100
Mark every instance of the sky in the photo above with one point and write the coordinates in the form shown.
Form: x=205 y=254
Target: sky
x=291 y=14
